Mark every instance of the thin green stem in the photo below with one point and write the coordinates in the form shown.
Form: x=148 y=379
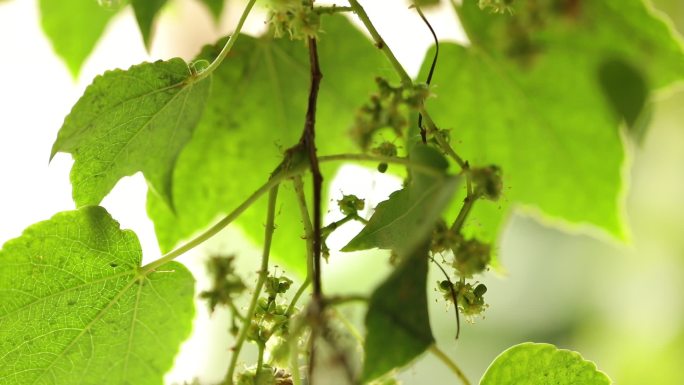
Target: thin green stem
x=350 y=327
x=405 y=79
x=468 y=203
x=263 y=274
x=260 y=361
x=308 y=235
x=213 y=230
x=380 y=43
x=331 y=9
x=427 y=170
x=449 y=363
x=229 y=44
x=432 y=128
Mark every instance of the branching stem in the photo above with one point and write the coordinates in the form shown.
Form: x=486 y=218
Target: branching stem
x=213 y=230
x=263 y=274
x=331 y=9
x=229 y=44
x=308 y=234
x=449 y=363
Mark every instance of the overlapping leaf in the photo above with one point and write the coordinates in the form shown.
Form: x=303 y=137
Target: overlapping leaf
x=145 y=14
x=76 y=309
x=409 y=215
x=74 y=27
x=397 y=322
x=129 y=121
x=255 y=112
x=535 y=364
x=527 y=97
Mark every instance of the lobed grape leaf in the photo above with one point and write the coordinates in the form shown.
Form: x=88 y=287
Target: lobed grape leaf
x=409 y=215
x=74 y=27
x=397 y=321
x=526 y=96
x=257 y=111
x=145 y=13
x=129 y=121
x=75 y=307
x=541 y=364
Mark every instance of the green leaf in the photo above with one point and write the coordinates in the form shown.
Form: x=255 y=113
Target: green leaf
x=74 y=27
x=397 y=322
x=145 y=13
x=215 y=7
x=409 y=215
x=526 y=96
x=75 y=307
x=541 y=364
x=129 y=121
x=257 y=111
x=626 y=90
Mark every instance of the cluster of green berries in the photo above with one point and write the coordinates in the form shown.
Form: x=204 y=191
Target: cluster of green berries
x=388 y=108
x=227 y=285
x=267 y=376
x=470 y=297
x=295 y=18
x=270 y=317
x=471 y=256
x=487 y=182
x=386 y=149
x=351 y=204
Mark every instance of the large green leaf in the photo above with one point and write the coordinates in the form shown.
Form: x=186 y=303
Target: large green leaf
x=74 y=27
x=542 y=364
x=129 y=121
x=75 y=307
x=397 y=322
x=145 y=13
x=409 y=215
x=256 y=111
x=527 y=97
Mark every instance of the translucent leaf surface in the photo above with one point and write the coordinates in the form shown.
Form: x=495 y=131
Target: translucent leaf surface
x=409 y=215
x=74 y=27
x=542 y=364
x=255 y=112
x=130 y=121
x=527 y=97
x=75 y=307
x=397 y=322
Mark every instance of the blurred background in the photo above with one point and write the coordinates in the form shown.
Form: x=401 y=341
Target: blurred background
x=620 y=305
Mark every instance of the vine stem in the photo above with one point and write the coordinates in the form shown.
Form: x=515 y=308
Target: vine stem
x=308 y=234
x=274 y=181
x=380 y=43
x=449 y=363
x=263 y=274
x=405 y=79
x=229 y=44
x=213 y=230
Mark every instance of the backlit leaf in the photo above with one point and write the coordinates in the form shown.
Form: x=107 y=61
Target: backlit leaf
x=409 y=215
x=527 y=97
x=256 y=111
x=540 y=364
x=129 y=121
x=397 y=322
x=74 y=27
x=75 y=307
